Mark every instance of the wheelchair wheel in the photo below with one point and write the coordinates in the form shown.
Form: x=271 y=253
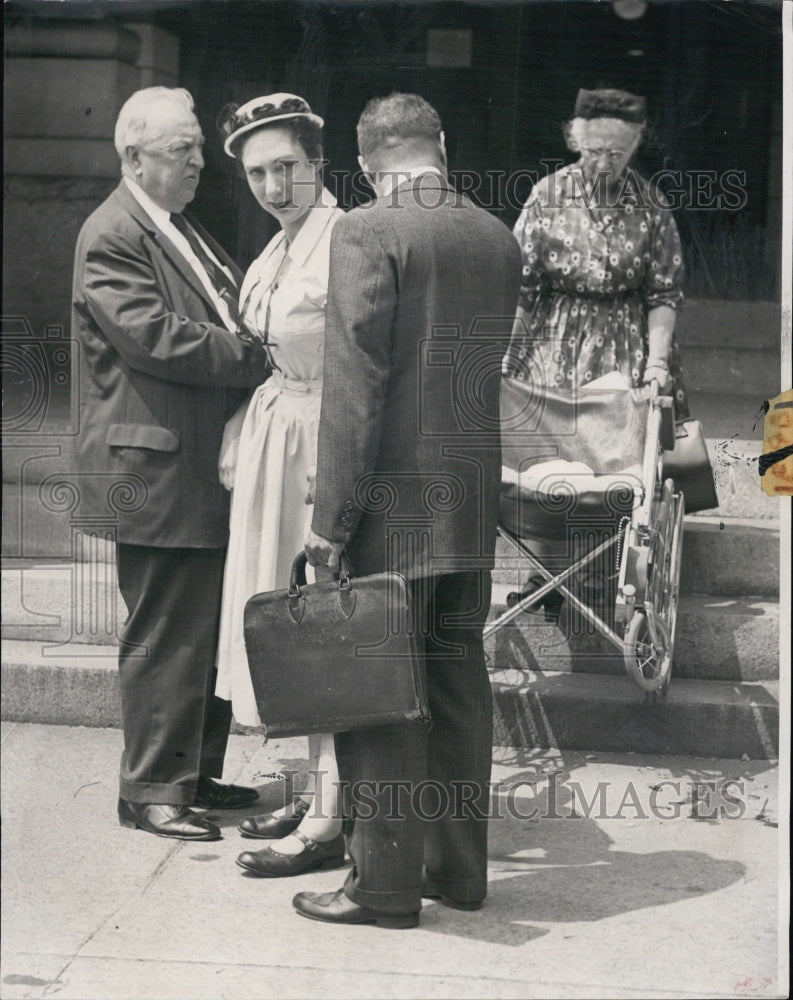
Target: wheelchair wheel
x=648 y=647
x=648 y=659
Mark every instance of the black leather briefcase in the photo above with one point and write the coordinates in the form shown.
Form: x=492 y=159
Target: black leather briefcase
x=333 y=656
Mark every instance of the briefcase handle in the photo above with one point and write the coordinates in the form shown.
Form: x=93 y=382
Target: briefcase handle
x=297 y=578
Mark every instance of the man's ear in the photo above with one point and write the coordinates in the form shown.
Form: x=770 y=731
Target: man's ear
x=369 y=174
x=132 y=160
x=443 y=147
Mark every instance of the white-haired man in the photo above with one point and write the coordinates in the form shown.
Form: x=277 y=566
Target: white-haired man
x=154 y=310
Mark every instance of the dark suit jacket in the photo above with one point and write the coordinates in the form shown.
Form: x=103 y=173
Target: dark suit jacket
x=157 y=369
x=422 y=296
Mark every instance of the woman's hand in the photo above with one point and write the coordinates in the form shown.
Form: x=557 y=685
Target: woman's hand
x=311 y=477
x=227 y=463
x=658 y=370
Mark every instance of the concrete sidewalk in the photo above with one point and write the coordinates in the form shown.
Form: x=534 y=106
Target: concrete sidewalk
x=627 y=901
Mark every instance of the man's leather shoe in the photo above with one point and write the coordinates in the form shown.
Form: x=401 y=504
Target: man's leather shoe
x=337 y=908
x=316 y=854
x=178 y=822
x=430 y=891
x=552 y=602
x=270 y=827
x=210 y=794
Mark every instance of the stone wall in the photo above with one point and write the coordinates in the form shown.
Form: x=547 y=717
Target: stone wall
x=65 y=82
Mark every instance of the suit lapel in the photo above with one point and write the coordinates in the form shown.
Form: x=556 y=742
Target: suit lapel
x=177 y=260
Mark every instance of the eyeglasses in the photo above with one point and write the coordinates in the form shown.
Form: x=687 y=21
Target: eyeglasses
x=176 y=150
x=613 y=155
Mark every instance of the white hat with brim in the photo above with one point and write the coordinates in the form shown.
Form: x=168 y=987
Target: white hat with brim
x=264 y=111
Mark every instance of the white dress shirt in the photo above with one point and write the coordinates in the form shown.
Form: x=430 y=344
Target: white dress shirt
x=394 y=178
x=161 y=218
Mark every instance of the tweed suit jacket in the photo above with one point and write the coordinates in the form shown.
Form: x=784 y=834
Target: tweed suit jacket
x=157 y=383
x=422 y=295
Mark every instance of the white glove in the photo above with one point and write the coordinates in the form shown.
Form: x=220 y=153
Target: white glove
x=312 y=485
x=227 y=463
x=658 y=370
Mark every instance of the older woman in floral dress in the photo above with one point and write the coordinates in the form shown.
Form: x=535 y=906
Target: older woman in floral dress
x=602 y=261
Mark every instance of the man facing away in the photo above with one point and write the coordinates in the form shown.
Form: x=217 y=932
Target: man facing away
x=154 y=310
x=423 y=290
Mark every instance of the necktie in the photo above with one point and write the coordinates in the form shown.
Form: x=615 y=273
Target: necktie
x=221 y=282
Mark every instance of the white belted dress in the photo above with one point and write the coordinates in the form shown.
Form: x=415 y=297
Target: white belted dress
x=282 y=300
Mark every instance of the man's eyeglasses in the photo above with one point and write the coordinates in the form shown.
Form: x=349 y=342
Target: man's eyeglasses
x=613 y=155
x=176 y=151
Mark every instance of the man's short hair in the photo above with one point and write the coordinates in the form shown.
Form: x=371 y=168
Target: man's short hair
x=131 y=123
x=399 y=122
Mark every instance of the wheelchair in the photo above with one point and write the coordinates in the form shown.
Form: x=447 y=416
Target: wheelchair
x=595 y=455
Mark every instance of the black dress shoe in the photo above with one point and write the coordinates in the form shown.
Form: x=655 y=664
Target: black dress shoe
x=210 y=794
x=178 y=822
x=551 y=603
x=316 y=854
x=270 y=827
x=337 y=908
x=429 y=890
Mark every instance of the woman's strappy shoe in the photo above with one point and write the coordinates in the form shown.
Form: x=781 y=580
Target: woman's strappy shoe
x=268 y=863
x=551 y=603
x=270 y=827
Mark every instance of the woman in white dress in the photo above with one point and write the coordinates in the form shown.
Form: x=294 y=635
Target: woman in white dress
x=269 y=449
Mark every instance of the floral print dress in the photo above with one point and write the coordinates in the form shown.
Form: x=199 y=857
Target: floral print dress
x=590 y=276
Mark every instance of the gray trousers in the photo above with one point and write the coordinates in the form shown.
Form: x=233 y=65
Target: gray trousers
x=175 y=729
x=418 y=797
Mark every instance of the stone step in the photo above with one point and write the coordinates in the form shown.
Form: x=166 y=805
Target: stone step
x=730 y=347
x=730 y=323
x=717 y=638
x=38 y=524
x=731 y=556
x=731 y=639
x=735 y=463
x=78 y=686
x=609 y=714
x=751 y=369
x=735 y=417
x=60 y=601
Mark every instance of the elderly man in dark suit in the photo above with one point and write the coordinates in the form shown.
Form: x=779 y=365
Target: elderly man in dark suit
x=423 y=289
x=154 y=308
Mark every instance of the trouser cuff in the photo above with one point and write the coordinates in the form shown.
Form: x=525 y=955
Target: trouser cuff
x=460 y=889
x=398 y=901
x=157 y=794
